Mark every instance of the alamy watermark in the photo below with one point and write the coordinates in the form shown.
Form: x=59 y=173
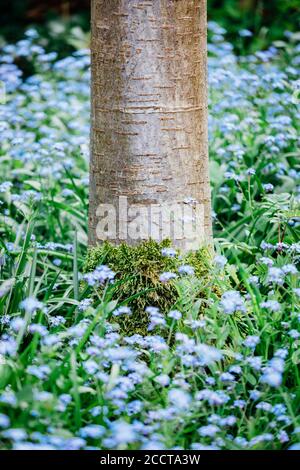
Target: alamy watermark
x=178 y=220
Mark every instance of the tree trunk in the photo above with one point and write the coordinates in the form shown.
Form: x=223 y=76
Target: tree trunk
x=149 y=153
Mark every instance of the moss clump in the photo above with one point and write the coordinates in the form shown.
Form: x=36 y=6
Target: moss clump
x=139 y=268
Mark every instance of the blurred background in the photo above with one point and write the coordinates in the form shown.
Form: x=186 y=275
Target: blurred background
x=64 y=24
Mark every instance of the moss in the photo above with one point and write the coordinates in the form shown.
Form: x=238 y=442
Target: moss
x=138 y=268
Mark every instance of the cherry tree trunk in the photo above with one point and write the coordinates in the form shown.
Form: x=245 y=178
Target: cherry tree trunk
x=149 y=149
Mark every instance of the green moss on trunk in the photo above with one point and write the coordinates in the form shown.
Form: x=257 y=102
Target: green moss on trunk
x=139 y=269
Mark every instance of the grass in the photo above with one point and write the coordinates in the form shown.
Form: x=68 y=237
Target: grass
x=216 y=370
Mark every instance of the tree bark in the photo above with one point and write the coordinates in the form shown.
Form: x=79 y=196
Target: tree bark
x=149 y=114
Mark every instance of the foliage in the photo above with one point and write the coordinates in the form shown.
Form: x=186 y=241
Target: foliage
x=60 y=23
x=223 y=374
x=252 y=25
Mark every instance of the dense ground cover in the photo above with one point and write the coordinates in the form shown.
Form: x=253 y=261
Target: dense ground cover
x=222 y=375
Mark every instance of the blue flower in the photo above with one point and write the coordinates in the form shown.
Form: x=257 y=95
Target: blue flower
x=275 y=275
x=167 y=276
x=175 y=314
x=208 y=431
x=15 y=434
x=294 y=334
x=123 y=310
x=255 y=395
x=31 y=305
x=251 y=341
x=169 y=252
x=245 y=33
x=84 y=304
x=268 y=187
x=295 y=446
x=186 y=269
x=99 y=276
x=4 y=421
x=93 y=431
x=163 y=380
x=122 y=433
x=272 y=305
x=232 y=302
x=180 y=398
x=220 y=261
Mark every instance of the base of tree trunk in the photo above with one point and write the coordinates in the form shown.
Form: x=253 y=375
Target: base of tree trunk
x=139 y=268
